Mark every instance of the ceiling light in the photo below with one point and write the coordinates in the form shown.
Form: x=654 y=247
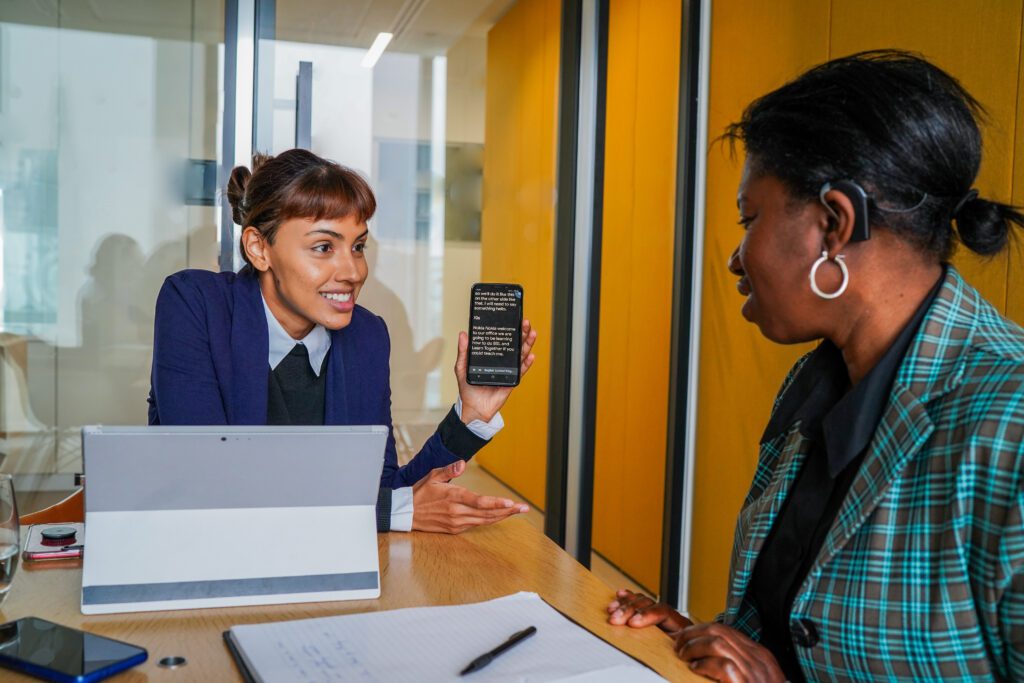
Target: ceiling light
x=376 y=50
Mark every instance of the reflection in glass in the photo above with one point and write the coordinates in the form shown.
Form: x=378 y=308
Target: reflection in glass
x=108 y=127
x=110 y=124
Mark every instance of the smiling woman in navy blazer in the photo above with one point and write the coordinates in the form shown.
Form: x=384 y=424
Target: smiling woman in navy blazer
x=221 y=351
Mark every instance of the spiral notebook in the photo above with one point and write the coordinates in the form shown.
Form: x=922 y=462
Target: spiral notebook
x=432 y=644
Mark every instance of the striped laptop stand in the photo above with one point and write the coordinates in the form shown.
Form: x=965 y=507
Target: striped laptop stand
x=187 y=517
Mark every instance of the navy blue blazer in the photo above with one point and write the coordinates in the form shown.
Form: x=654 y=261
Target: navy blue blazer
x=210 y=366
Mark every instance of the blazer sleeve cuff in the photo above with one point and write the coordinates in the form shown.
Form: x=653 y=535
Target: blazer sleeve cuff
x=457 y=437
x=383 y=510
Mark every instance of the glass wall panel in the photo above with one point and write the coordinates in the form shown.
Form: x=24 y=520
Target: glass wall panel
x=108 y=152
x=414 y=122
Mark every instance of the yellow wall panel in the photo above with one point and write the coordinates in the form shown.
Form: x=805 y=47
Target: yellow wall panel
x=517 y=226
x=1015 y=268
x=636 y=285
x=756 y=46
x=977 y=42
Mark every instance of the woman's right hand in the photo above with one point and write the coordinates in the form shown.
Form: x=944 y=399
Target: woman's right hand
x=637 y=611
x=440 y=506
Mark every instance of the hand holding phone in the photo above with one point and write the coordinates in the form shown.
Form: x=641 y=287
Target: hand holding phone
x=495 y=354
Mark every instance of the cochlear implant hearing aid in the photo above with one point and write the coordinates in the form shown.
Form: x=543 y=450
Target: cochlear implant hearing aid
x=859 y=198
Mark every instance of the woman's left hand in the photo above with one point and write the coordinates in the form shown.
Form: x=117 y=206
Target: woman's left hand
x=721 y=653
x=480 y=402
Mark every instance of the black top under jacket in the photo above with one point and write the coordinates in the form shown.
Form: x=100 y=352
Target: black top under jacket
x=840 y=420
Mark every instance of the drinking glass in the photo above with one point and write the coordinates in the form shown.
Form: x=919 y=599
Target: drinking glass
x=10 y=536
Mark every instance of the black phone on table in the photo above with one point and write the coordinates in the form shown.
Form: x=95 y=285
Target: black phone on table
x=495 y=334
x=53 y=652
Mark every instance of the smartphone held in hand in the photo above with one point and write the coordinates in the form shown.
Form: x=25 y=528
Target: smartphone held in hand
x=495 y=334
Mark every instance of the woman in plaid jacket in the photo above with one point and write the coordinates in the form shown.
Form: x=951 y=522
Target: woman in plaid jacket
x=882 y=538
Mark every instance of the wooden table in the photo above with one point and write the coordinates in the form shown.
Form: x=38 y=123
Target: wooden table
x=416 y=569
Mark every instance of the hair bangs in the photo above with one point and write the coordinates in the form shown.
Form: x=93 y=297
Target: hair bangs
x=329 y=192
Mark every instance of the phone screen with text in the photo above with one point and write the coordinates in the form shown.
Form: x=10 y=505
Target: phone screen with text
x=495 y=340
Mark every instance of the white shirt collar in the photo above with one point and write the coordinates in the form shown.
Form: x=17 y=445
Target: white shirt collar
x=317 y=342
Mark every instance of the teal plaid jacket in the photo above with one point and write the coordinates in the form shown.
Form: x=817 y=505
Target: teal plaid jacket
x=921 y=576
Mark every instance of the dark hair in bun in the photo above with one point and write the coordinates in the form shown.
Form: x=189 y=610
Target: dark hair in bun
x=236 y=192
x=902 y=128
x=295 y=184
x=983 y=226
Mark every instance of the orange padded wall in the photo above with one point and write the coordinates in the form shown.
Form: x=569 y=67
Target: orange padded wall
x=517 y=240
x=636 y=285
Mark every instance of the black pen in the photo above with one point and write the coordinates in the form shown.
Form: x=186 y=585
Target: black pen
x=485 y=659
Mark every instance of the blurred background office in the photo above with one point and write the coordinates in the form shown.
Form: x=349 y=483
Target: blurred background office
x=113 y=126
x=119 y=119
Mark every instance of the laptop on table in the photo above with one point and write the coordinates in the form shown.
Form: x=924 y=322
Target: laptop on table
x=187 y=517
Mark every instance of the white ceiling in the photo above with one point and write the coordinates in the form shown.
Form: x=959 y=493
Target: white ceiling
x=427 y=27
